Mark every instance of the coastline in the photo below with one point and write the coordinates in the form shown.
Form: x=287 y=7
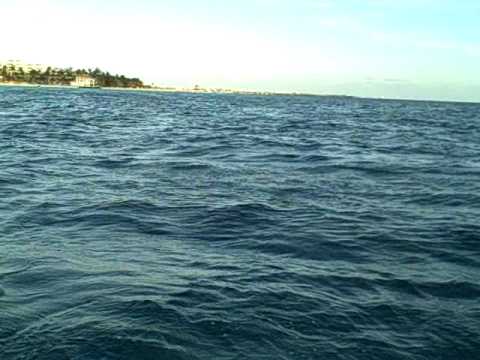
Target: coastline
x=34 y=85
x=175 y=90
x=146 y=89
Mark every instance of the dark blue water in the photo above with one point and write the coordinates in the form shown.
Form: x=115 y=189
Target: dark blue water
x=180 y=226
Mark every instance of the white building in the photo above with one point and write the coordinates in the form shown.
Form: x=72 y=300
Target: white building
x=84 y=81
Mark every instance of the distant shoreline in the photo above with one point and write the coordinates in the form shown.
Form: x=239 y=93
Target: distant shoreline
x=229 y=92
x=33 y=85
x=171 y=90
x=149 y=89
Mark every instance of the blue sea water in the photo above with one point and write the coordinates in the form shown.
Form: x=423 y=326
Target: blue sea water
x=195 y=226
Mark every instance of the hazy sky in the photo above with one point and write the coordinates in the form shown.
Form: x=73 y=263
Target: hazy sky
x=384 y=48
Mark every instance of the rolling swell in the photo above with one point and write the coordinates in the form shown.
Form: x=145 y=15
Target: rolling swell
x=189 y=226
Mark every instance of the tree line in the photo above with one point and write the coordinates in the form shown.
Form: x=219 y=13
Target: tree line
x=53 y=76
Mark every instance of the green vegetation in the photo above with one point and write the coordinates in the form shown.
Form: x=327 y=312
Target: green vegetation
x=53 y=76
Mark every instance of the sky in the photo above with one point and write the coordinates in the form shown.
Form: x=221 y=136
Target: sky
x=415 y=49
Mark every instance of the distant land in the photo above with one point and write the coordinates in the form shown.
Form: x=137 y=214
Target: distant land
x=18 y=73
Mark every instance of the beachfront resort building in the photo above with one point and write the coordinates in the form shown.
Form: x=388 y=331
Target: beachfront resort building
x=84 y=81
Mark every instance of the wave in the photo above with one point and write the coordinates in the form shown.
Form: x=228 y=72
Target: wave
x=179 y=226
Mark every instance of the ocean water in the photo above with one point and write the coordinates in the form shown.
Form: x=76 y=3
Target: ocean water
x=193 y=226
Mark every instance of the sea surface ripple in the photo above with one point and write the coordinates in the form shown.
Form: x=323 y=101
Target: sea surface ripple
x=203 y=226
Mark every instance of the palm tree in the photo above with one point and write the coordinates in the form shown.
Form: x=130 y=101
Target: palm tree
x=4 y=72
x=20 y=74
x=33 y=75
